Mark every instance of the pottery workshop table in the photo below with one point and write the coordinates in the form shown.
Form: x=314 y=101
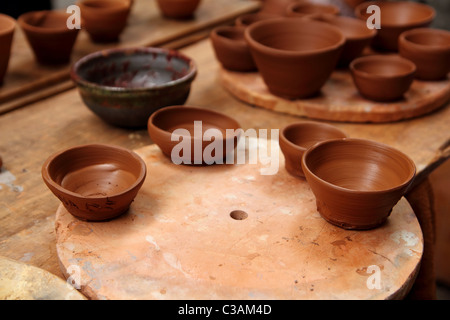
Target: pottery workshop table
x=28 y=209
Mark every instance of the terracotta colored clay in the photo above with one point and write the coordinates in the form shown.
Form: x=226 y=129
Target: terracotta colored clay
x=296 y=138
x=178 y=9
x=104 y=20
x=277 y=7
x=95 y=182
x=247 y=19
x=231 y=49
x=357 y=182
x=125 y=86
x=294 y=64
x=47 y=33
x=1 y=162
x=396 y=17
x=302 y=9
x=164 y=122
x=429 y=49
x=382 y=78
x=7 y=27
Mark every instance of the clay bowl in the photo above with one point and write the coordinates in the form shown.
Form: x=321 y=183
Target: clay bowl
x=95 y=182
x=296 y=138
x=382 y=78
x=250 y=18
x=104 y=20
x=7 y=27
x=170 y=126
x=357 y=182
x=47 y=33
x=303 y=9
x=178 y=9
x=231 y=49
x=396 y=17
x=297 y=64
x=125 y=86
x=276 y=7
x=429 y=49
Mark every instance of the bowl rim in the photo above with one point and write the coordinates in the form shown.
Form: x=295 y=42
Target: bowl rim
x=22 y=21
x=288 y=53
x=380 y=145
x=47 y=178
x=378 y=57
x=239 y=21
x=117 y=7
x=371 y=33
x=190 y=76
x=290 y=9
x=403 y=40
x=12 y=26
x=215 y=36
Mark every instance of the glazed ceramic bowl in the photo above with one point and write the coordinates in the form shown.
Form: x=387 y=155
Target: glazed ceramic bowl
x=396 y=17
x=95 y=182
x=231 y=49
x=178 y=129
x=294 y=65
x=303 y=9
x=250 y=18
x=7 y=27
x=104 y=20
x=429 y=49
x=296 y=138
x=178 y=9
x=125 y=86
x=357 y=182
x=382 y=78
x=47 y=33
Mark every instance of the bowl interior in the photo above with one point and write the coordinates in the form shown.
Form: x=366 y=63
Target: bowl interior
x=312 y=8
x=47 y=19
x=359 y=165
x=383 y=66
x=104 y=4
x=429 y=37
x=306 y=135
x=95 y=171
x=248 y=19
x=231 y=33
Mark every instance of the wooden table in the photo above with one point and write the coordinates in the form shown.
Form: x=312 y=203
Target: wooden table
x=29 y=135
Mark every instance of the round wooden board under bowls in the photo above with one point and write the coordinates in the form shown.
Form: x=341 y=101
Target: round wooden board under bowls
x=228 y=232
x=339 y=99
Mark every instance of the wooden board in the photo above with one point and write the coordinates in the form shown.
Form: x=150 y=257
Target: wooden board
x=339 y=99
x=178 y=241
x=146 y=28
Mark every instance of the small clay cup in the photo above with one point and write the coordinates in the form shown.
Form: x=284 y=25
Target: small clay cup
x=231 y=49
x=178 y=9
x=357 y=182
x=429 y=49
x=396 y=18
x=296 y=138
x=47 y=33
x=250 y=18
x=305 y=9
x=163 y=123
x=7 y=27
x=276 y=7
x=95 y=182
x=104 y=20
x=382 y=78
x=294 y=65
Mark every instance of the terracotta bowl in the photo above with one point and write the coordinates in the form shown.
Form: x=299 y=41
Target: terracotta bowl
x=429 y=49
x=125 y=86
x=302 y=9
x=296 y=138
x=231 y=49
x=7 y=27
x=104 y=20
x=357 y=182
x=47 y=33
x=163 y=123
x=250 y=18
x=178 y=9
x=277 y=7
x=396 y=17
x=95 y=182
x=297 y=64
x=382 y=78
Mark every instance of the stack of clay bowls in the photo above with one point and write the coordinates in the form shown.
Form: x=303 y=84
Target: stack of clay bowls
x=7 y=27
x=178 y=9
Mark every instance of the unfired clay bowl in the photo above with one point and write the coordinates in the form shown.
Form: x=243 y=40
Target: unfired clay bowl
x=178 y=9
x=396 y=17
x=357 y=182
x=7 y=27
x=95 y=182
x=231 y=49
x=164 y=122
x=429 y=49
x=250 y=18
x=104 y=20
x=47 y=33
x=125 y=86
x=296 y=138
x=382 y=78
x=294 y=65
x=302 y=9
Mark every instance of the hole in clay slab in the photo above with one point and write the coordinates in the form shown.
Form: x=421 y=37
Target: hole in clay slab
x=238 y=215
